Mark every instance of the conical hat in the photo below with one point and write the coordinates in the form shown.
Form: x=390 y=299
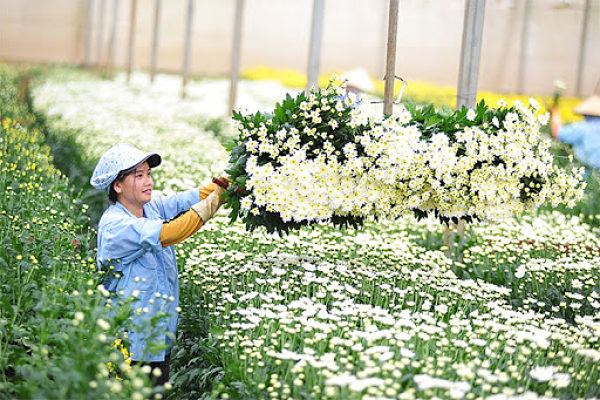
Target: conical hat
x=591 y=106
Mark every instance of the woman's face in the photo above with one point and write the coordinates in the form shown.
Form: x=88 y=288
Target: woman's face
x=136 y=189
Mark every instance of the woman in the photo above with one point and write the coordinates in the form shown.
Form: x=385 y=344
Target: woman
x=135 y=238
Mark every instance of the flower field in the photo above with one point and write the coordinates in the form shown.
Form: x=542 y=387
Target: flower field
x=376 y=312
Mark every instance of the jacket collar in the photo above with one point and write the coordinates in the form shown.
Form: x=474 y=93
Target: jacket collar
x=122 y=208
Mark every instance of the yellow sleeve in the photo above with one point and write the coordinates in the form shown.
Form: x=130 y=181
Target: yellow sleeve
x=185 y=224
x=181 y=227
x=207 y=189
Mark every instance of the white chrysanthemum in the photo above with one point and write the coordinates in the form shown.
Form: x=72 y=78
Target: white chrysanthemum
x=542 y=374
x=389 y=169
x=471 y=114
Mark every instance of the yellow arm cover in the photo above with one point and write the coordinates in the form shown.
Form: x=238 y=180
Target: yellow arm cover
x=185 y=224
x=179 y=228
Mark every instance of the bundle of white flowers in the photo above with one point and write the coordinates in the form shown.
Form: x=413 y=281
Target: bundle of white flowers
x=318 y=158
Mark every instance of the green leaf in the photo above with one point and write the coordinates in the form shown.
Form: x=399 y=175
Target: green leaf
x=446 y=111
x=237 y=116
x=238 y=150
x=432 y=120
x=230 y=145
x=411 y=106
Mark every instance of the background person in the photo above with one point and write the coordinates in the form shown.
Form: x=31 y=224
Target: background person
x=135 y=238
x=584 y=136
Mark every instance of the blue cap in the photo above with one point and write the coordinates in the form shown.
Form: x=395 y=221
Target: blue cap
x=118 y=158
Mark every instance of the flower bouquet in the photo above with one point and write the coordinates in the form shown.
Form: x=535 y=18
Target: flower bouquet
x=317 y=158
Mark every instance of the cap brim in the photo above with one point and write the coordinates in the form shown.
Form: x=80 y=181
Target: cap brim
x=153 y=160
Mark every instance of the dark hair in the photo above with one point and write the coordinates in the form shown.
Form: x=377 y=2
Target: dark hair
x=112 y=194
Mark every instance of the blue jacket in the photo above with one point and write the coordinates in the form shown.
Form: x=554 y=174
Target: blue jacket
x=131 y=245
x=584 y=136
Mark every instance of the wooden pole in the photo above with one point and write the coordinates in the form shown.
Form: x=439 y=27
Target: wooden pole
x=467 y=83
x=132 y=18
x=524 y=47
x=87 y=55
x=390 y=66
x=113 y=33
x=155 y=40
x=316 y=37
x=186 y=51
x=235 y=54
x=383 y=47
x=582 y=46
x=470 y=53
x=100 y=37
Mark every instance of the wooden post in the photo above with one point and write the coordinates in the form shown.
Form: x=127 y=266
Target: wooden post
x=113 y=33
x=132 y=18
x=87 y=51
x=100 y=37
x=316 y=36
x=235 y=53
x=186 y=51
x=155 y=40
x=390 y=66
x=582 y=46
x=381 y=53
x=524 y=47
x=467 y=82
x=470 y=53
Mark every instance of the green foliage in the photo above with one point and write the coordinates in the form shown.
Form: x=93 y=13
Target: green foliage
x=195 y=360
x=69 y=158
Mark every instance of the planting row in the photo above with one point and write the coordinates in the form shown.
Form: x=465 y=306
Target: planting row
x=57 y=340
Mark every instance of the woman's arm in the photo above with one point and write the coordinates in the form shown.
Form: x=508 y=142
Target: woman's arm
x=169 y=207
x=189 y=222
x=181 y=227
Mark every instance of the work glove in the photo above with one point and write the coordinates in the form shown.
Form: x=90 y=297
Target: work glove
x=211 y=198
x=222 y=185
x=207 y=208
